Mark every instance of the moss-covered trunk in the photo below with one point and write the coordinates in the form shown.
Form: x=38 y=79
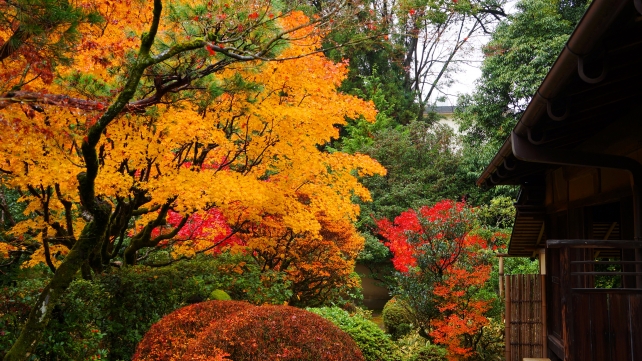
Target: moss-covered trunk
x=98 y=209
x=41 y=311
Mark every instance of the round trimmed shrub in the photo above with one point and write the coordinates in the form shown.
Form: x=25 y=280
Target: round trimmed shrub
x=374 y=344
x=275 y=333
x=220 y=295
x=397 y=318
x=168 y=339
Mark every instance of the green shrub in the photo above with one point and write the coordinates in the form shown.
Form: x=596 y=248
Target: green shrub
x=397 y=318
x=75 y=331
x=108 y=316
x=373 y=342
x=220 y=295
x=430 y=352
x=413 y=347
x=16 y=297
x=490 y=346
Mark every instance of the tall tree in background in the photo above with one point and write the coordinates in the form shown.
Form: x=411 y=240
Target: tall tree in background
x=413 y=46
x=402 y=63
x=518 y=57
x=422 y=163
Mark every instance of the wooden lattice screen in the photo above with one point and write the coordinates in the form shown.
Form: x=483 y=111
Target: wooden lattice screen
x=524 y=322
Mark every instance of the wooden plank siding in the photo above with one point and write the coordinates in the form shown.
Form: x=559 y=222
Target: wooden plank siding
x=598 y=323
x=524 y=321
x=606 y=327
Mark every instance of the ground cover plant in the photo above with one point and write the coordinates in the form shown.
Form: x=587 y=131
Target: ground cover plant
x=375 y=345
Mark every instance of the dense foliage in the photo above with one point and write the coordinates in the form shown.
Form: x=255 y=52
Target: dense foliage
x=108 y=316
x=157 y=154
x=374 y=344
x=443 y=271
x=165 y=113
x=274 y=332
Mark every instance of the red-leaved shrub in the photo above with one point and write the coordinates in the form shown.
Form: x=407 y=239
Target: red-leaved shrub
x=168 y=339
x=274 y=333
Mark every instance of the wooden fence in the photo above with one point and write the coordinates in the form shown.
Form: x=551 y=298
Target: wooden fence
x=525 y=317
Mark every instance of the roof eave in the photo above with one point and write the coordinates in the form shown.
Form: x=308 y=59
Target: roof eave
x=584 y=38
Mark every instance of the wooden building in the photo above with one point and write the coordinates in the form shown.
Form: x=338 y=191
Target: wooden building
x=576 y=153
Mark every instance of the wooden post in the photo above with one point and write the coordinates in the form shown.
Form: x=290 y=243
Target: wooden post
x=507 y=319
x=501 y=276
x=544 y=321
x=567 y=302
x=542 y=269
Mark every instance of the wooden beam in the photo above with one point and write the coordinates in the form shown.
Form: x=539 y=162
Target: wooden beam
x=566 y=302
x=544 y=320
x=541 y=234
x=507 y=319
x=609 y=290
x=591 y=243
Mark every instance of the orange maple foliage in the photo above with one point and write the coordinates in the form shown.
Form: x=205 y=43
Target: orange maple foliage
x=252 y=151
x=462 y=312
x=174 y=106
x=318 y=264
x=437 y=254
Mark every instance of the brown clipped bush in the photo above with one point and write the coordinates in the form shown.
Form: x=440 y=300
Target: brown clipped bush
x=169 y=338
x=274 y=333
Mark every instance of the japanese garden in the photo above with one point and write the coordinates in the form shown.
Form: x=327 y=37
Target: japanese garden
x=300 y=180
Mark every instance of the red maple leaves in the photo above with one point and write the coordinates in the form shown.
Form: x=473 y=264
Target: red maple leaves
x=440 y=232
x=438 y=241
x=209 y=230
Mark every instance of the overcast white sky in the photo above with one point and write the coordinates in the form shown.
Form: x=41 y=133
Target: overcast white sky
x=467 y=75
x=464 y=79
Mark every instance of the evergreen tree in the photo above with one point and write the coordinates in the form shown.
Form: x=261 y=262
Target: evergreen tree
x=518 y=57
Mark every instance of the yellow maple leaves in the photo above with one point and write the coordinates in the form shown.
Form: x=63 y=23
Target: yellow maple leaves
x=251 y=148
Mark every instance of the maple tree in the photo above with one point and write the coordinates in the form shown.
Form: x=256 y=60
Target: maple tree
x=319 y=265
x=215 y=115
x=442 y=269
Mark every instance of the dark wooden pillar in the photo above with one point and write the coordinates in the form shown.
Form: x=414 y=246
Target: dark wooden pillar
x=566 y=302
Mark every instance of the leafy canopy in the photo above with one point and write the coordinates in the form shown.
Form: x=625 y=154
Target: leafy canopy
x=174 y=108
x=443 y=270
x=521 y=51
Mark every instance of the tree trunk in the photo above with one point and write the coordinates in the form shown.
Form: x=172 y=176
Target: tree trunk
x=66 y=272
